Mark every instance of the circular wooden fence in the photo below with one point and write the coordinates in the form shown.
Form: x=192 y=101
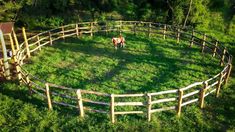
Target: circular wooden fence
x=193 y=93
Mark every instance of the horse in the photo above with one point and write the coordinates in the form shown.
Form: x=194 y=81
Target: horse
x=118 y=41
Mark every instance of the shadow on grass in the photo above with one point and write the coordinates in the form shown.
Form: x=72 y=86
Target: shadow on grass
x=222 y=110
x=155 y=57
x=16 y=91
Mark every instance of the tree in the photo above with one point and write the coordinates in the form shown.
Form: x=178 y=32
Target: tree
x=170 y=13
x=189 y=9
x=9 y=10
x=179 y=12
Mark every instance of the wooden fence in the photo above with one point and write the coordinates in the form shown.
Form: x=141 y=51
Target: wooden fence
x=1 y=68
x=79 y=98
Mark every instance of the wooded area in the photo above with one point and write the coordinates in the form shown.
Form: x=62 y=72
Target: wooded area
x=218 y=14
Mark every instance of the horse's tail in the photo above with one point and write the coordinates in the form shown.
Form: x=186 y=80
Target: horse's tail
x=122 y=40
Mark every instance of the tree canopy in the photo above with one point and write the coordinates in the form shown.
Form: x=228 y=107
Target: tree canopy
x=39 y=13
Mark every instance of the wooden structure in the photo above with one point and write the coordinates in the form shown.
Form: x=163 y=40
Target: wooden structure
x=8 y=48
x=110 y=103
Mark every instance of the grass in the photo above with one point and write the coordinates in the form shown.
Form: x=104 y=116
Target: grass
x=144 y=65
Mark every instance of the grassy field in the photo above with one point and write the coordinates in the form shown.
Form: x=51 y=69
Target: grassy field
x=144 y=65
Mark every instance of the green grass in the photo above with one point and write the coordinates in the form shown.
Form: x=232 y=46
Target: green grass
x=143 y=66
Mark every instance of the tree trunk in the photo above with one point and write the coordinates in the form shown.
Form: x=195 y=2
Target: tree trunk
x=186 y=18
x=170 y=12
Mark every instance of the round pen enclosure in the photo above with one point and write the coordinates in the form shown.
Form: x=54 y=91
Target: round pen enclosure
x=161 y=67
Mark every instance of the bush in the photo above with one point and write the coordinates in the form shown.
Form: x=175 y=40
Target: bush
x=231 y=29
x=41 y=22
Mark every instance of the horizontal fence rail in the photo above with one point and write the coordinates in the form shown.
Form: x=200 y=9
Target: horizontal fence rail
x=147 y=102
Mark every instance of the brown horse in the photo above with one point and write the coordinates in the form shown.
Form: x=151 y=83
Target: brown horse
x=118 y=41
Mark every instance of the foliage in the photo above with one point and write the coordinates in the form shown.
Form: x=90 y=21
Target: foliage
x=217 y=14
x=41 y=22
x=167 y=11
x=9 y=10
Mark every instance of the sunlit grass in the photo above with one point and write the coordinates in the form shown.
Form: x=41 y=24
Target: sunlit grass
x=144 y=65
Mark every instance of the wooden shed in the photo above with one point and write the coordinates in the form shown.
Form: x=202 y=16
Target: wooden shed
x=8 y=47
x=9 y=36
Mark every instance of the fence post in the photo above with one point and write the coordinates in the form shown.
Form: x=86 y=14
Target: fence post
x=164 y=32
x=178 y=35
x=134 y=28
x=26 y=42
x=180 y=99
x=228 y=73
x=120 y=27
x=50 y=38
x=18 y=71
x=14 y=57
x=16 y=40
x=149 y=29
x=12 y=44
x=149 y=106
x=202 y=94
x=62 y=29
x=21 y=59
x=28 y=84
x=112 y=114
x=106 y=28
x=5 y=58
x=192 y=38
x=2 y=67
x=77 y=33
x=222 y=58
x=80 y=103
x=39 y=43
x=203 y=42
x=48 y=97
x=219 y=84
x=215 y=49
x=91 y=26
